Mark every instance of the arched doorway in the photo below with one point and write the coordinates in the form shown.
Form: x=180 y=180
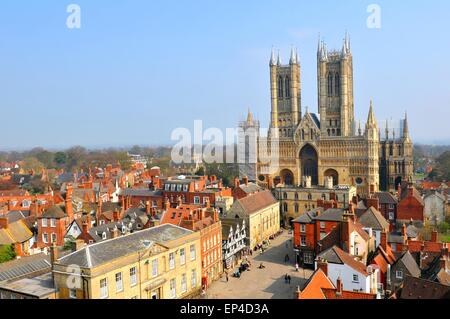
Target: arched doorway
x=287 y=177
x=334 y=174
x=309 y=161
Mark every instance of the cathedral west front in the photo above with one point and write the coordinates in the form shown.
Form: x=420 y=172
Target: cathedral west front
x=330 y=147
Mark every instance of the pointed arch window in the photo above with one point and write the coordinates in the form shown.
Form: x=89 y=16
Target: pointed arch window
x=280 y=87
x=330 y=84
x=337 y=84
x=287 y=84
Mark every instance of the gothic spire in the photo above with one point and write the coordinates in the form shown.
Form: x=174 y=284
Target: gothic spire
x=387 y=129
x=405 y=127
x=272 y=58
x=279 y=58
x=292 y=59
x=249 y=117
x=371 y=118
x=297 y=59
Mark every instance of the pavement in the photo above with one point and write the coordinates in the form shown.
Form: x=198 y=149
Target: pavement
x=265 y=283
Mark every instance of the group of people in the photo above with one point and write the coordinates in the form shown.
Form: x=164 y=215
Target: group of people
x=287 y=279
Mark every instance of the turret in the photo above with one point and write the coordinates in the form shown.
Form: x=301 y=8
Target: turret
x=406 y=128
x=272 y=58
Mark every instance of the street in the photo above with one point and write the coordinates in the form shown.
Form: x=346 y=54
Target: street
x=265 y=283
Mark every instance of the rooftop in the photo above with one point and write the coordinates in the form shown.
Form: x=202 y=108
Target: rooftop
x=41 y=286
x=109 y=250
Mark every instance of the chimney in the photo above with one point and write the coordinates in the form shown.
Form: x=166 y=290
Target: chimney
x=167 y=204
x=116 y=216
x=434 y=236
x=79 y=244
x=404 y=233
x=383 y=241
x=115 y=233
x=373 y=202
x=147 y=207
x=3 y=222
x=53 y=253
x=68 y=202
x=339 y=286
x=236 y=182
x=443 y=263
x=297 y=293
x=323 y=265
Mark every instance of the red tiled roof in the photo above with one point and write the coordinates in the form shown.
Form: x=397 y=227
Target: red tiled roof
x=254 y=203
x=350 y=261
x=313 y=289
x=332 y=294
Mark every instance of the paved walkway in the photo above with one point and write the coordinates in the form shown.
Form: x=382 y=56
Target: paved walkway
x=265 y=283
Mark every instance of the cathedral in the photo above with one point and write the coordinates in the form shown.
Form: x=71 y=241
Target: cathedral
x=317 y=149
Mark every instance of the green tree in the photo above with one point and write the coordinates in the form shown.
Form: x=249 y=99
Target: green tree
x=60 y=158
x=32 y=164
x=441 y=171
x=7 y=253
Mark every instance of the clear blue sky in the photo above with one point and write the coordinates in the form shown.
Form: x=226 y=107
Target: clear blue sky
x=138 y=69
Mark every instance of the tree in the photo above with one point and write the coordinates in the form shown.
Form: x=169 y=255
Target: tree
x=46 y=158
x=136 y=150
x=32 y=164
x=75 y=156
x=200 y=172
x=60 y=158
x=441 y=171
x=7 y=253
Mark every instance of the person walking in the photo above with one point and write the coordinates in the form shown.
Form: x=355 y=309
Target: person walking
x=286 y=278
x=226 y=275
x=289 y=279
x=296 y=267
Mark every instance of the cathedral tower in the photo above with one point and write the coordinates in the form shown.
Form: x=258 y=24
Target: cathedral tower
x=335 y=90
x=285 y=86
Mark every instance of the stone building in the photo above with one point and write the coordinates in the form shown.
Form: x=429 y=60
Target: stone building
x=330 y=144
x=162 y=262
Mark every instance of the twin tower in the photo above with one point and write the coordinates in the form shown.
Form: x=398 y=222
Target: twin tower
x=335 y=92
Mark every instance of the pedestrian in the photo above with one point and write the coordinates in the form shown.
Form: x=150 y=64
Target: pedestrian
x=227 y=276
x=251 y=252
x=296 y=267
x=286 y=278
x=289 y=279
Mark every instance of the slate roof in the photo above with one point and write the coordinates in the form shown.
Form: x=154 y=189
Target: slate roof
x=331 y=214
x=416 y=288
x=16 y=215
x=109 y=250
x=408 y=260
x=250 y=188
x=315 y=119
x=336 y=255
x=97 y=232
x=54 y=212
x=372 y=218
x=24 y=266
x=386 y=198
x=39 y=287
x=142 y=192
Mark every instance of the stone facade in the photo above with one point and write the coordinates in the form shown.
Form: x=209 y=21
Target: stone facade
x=330 y=144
